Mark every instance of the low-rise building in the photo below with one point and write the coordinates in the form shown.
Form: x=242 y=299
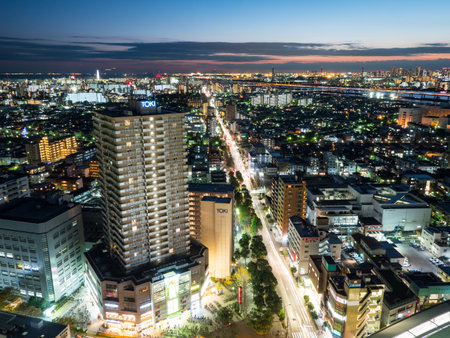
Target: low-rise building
x=428 y=287
x=353 y=305
x=320 y=269
x=12 y=187
x=399 y=301
x=436 y=240
x=14 y=325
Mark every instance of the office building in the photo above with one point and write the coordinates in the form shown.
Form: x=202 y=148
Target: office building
x=41 y=248
x=216 y=221
x=196 y=192
x=288 y=199
x=46 y=150
x=12 y=187
x=303 y=241
x=147 y=267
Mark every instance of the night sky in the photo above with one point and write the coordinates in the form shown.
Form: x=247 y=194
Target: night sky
x=190 y=36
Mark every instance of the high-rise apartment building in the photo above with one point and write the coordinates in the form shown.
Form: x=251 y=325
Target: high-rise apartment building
x=216 y=218
x=143 y=180
x=196 y=193
x=288 y=199
x=41 y=248
x=148 y=266
x=45 y=150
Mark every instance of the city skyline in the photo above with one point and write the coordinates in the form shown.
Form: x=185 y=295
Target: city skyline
x=247 y=36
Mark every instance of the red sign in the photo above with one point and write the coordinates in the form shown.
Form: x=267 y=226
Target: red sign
x=240 y=296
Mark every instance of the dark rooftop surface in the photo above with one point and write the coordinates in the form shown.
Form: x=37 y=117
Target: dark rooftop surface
x=14 y=325
x=108 y=268
x=217 y=199
x=304 y=229
x=398 y=292
x=33 y=210
x=204 y=187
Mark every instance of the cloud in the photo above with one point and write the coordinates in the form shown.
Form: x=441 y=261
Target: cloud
x=190 y=54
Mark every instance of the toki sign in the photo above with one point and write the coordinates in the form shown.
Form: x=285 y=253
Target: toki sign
x=148 y=104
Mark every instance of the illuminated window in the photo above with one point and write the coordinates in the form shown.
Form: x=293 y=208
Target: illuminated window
x=172 y=306
x=127 y=122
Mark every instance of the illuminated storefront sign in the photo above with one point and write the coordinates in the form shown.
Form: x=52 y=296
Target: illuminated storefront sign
x=171 y=285
x=148 y=104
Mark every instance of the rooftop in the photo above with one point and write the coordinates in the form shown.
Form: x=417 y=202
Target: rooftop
x=33 y=210
x=14 y=325
x=205 y=187
x=303 y=228
x=108 y=268
x=226 y=200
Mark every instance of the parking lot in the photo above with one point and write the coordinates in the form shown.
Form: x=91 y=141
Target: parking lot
x=419 y=260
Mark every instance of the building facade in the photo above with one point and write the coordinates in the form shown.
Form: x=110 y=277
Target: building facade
x=12 y=187
x=196 y=192
x=41 y=248
x=148 y=270
x=46 y=150
x=288 y=199
x=303 y=241
x=216 y=218
x=353 y=305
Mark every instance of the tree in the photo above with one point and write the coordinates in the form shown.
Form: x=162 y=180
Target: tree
x=242 y=276
x=225 y=315
x=260 y=321
x=273 y=301
x=257 y=247
x=244 y=243
x=281 y=315
x=233 y=181
x=293 y=270
x=256 y=225
x=239 y=177
x=236 y=255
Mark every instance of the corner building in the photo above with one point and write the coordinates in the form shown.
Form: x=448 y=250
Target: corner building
x=143 y=180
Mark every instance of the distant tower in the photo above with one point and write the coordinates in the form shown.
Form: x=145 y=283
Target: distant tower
x=97 y=75
x=273 y=74
x=362 y=72
x=321 y=70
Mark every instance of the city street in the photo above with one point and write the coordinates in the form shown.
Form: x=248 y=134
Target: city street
x=299 y=321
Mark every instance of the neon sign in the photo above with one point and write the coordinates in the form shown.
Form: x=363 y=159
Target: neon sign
x=148 y=104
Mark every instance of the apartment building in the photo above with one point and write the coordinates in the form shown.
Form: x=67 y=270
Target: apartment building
x=288 y=199
x=148 y=269
x=46 y=150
